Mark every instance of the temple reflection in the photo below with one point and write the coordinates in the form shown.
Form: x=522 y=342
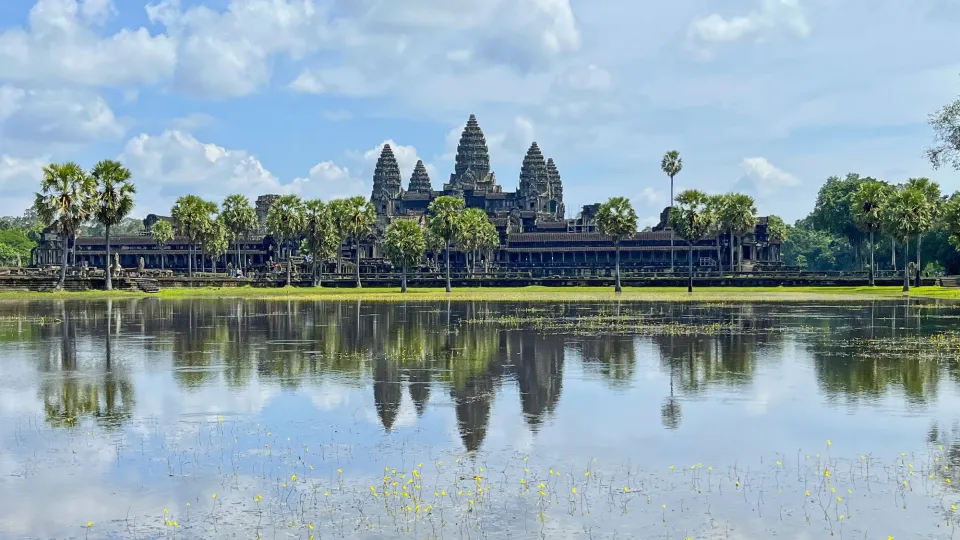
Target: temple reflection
x=445 y=353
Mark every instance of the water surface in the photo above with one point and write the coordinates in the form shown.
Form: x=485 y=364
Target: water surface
x=123 y=419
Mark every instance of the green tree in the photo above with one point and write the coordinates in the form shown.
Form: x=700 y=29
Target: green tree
x=114 y=200
x=339 y=218
x=445 y=222
x=934 y=201
x=286 y=220
x=907 y=212
x=832 y=210
x=240 y=219
x=192 y=218
x=946 y=130
x=359 y=219
x=321 y=239
x=671 y=165
x=739 y=217
x=475 y=234
x=691 y=219
x=162 y=233
x=15 y=246
x=868 y=205
x=65 y=202
x=216 y=242
x=405 y=245
x=617 y=219
x=716 y=207
x=951 y=219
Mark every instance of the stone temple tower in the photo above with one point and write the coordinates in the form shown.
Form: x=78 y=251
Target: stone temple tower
x=420 y=180
x=387 y=187
x=473 y=158
x=534 y=180
x=556 y=189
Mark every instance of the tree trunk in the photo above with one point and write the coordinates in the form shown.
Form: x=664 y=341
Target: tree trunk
x=358 y=264
x=872 y=262
x=719 y=262
x=617 y=288
x=919 y=240
x=669 y=212
x=906 y=265
x=109 y=282
x=893 y=253
x=63 y=261
x=239 y=266
x=190 y=249
x=162 y=256
x=403 y=282
x=447 y=249
x=730 y=232
x=690 y=274
x=316 y=282
x=289 y=264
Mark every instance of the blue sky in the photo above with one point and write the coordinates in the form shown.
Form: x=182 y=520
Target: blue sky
x=298 y=96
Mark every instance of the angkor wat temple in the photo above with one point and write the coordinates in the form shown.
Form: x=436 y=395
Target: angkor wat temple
x=535 y=234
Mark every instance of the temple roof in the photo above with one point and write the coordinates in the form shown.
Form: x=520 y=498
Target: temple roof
x=533 y=171
x=472 y=152
x=420 y=180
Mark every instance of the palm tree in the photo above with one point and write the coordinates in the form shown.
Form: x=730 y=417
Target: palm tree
x=445 y=221
x=338 y=217
x=215 y=242
x=691 y=220
x=906 y=213
x=405 y=245
x=474 y=233
x=321 y=237
x=192 y=217
x=162 y=234
x=239 y=218
x=359 y=217
x=65 y=202
x=286 y=219
x=931 y=194
x=617 y=219
x=868 y=204
x=715 y=206
x=671 y=165
x=739 y=216
x=114 y=200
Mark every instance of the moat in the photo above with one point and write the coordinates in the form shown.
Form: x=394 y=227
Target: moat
x=161 y=418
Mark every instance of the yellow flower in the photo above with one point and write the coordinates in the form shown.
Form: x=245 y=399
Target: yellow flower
x=443 y=493
x=165 y=511
x=326 y=493
x=89 y=524
x=828 y=442
x=826 y=472
x=574 y=490
x=807 y=493
x=664 y=507
x=339 y=471
x=310 y=526
x=293 y=478
x=542 y=494
x=522 y=481
x=214 y=495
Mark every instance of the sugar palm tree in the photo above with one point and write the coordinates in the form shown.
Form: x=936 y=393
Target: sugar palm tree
x=617 y=219
x=868 y=204
x=239 y=218
x=286 y=219
x=338 y=217
x=192 y=217
x=715 y=206
x=114 y=200
x=907 y=212
x=405 y=246
x=65 y=202
x=321 y=238
x=216 y=242
x=358 y=219
x=739 y=217
x=162 y=234
x=931 y=194
x=474 y=233
x=692 y=221
x=671 y=165
x=445 y=222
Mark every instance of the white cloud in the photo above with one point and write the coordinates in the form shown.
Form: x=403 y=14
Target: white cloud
x=344 y=81
x=330 y=181
x=764 y=179
x=653 y=197
x=774 y=17
x=60 y=46
x=191 y=122
x=591 y=78
x=55 y=116
x=174 y=163
x=308 y=83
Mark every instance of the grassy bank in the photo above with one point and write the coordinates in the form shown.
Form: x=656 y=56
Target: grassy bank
x=528 y=294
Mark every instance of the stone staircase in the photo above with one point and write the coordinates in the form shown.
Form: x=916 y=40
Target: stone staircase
x=146 y=285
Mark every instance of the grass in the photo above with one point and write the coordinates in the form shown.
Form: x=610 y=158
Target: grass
x=520 y=294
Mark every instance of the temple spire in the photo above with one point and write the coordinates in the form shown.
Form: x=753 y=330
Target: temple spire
x=387 y=185
x=420 y=180
x=533 y=176
x=472 y=153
